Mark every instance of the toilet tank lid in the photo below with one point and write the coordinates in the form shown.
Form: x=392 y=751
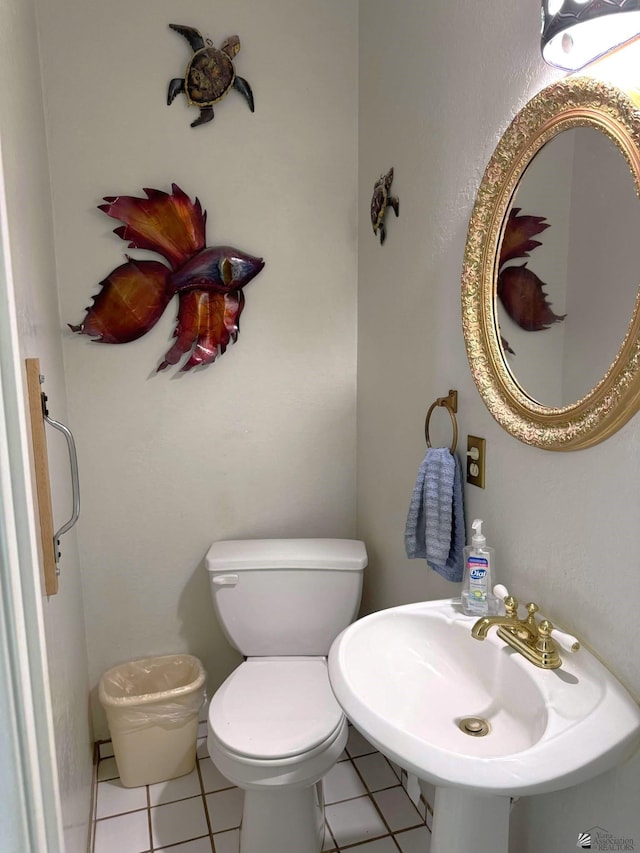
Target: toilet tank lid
x=244 y=554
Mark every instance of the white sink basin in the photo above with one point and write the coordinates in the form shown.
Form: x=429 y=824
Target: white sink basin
x=406 y=677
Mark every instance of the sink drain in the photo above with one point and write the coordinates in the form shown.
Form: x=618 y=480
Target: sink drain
x=474 y=726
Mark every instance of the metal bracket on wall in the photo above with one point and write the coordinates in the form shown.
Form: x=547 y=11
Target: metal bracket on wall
x=39 y=414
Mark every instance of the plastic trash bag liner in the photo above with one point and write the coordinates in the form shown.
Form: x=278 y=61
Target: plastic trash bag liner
x=162 y=691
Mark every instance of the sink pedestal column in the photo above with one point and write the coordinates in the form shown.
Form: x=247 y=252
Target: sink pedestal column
x=464 y=821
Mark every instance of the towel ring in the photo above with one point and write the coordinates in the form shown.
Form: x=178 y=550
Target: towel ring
x=450 y=403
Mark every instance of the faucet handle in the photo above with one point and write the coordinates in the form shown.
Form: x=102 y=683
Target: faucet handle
x=566 y=641
x=500 y=591
x=510 y=603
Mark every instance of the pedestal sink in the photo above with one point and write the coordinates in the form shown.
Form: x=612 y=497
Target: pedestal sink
x=476 y=719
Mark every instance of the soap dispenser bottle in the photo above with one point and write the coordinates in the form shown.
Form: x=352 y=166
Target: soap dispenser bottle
x=477 y=599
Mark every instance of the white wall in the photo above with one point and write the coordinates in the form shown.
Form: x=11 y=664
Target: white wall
x=32 y=261
x=437 y=88
x=261 y=443
x=544 y=191
x=605 y=223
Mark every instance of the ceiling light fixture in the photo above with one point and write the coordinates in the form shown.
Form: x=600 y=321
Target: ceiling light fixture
x=575 y=32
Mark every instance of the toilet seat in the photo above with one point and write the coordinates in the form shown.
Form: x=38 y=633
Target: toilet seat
x=275 y=709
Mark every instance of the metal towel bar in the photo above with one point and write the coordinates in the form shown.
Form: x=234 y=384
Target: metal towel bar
x=75 y=479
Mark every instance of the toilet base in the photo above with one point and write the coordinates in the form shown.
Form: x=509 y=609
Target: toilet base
x=283 y=821
x=283 y=797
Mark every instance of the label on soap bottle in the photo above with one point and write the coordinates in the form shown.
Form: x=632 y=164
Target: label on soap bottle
x=478 y=568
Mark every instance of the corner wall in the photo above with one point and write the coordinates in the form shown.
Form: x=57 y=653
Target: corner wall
x=261 y=443
x=32 y=260
x=438 y=86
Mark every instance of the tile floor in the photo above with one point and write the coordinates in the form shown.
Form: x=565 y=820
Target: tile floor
x=367 y=809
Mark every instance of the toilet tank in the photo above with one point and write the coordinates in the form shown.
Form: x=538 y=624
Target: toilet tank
x=285 y=596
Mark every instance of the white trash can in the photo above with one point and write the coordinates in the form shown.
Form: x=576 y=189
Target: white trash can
x=152 y=708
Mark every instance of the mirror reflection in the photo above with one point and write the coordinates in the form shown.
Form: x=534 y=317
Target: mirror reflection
x=579 y=271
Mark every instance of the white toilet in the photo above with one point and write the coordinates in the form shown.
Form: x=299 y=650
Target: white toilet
x=275 y=728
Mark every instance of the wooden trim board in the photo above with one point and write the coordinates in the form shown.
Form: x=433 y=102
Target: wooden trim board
x=41 y=471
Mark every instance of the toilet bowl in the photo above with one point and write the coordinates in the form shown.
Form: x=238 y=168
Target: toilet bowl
x=274 y=726
x=278 y=749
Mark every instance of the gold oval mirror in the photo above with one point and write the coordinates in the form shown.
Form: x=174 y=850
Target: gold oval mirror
x=550 y=299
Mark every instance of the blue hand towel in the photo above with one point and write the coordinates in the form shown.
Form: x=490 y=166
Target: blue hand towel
x=435 y=528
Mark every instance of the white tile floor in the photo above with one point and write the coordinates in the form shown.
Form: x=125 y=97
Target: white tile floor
x=367 y=809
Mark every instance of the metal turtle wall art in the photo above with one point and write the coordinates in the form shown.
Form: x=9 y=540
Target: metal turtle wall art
x=210 y=74
x=208 y=281
x=380 y=200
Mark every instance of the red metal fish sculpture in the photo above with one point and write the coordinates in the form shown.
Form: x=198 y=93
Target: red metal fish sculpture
x=516 y=240
x=519 y=288
x=207 y=280
x=525 y=301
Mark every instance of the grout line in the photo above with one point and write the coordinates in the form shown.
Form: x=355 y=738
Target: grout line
x=370 y=795
x=177 y=800
x=393 y=769
x=396 y=842
x=149 y=826
x=121 y=814
x=358 y=844
x=217 y=790
x=328 y=829
x=379 y=810
x=108 y=779
x=359 y=755
x=93 y=802
x=422 y=799
x=367 y=791
x=205 y=807
x=180 y=843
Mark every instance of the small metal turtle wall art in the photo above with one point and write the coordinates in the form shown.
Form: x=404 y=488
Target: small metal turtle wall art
x=380 y=200
x=208 y=280
x=210 y=74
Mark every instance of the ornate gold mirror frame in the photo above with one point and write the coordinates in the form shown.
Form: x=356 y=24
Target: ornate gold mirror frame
x=568 y=103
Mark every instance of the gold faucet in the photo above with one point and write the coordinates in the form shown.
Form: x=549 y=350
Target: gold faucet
x=532 y=639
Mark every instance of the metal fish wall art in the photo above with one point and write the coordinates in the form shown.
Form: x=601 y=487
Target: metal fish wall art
x=208 y=280
x=519 y=288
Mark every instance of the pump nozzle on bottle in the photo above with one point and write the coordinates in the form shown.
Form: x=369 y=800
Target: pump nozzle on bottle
x=478 y=540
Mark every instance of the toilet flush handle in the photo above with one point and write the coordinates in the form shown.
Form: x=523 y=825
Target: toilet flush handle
x=225 y=580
